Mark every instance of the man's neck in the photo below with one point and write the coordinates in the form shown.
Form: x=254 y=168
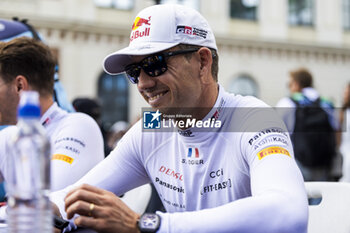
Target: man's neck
x=209 y=97
x=45 y=103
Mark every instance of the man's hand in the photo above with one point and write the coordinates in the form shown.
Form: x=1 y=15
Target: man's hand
x=56 y=212
x=100 y=210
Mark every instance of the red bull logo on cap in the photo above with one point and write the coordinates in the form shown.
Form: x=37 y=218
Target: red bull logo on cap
x=139 y=22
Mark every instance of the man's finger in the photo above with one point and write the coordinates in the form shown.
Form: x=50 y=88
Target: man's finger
x=82 y=195
x=88 y=188
x=82 y=208
x=87 y=222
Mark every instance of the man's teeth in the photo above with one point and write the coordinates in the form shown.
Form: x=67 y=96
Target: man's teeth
x=155 y=97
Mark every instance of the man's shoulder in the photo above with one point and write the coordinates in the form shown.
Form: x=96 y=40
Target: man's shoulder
x=77 y=123
x=8 y=131
x=79 y=118
x=244 y=101
x=285 y=102
x=249 y=114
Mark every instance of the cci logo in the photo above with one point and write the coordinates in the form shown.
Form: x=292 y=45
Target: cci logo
x=151 y=120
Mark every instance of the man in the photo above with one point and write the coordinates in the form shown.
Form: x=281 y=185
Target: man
x=226 y=179
x=314 y=139
x=77 y=144
x=15 y=28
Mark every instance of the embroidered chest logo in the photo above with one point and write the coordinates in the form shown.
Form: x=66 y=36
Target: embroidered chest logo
x=193 y=157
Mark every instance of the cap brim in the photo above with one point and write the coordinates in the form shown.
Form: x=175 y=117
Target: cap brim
x=116 y=62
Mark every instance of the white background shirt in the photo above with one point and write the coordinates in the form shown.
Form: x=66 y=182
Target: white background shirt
x=76 y=145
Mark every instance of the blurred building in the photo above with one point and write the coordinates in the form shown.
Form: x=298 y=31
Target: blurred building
x=258 y=42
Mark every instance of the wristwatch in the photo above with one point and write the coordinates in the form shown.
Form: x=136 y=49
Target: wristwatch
x=149 y=223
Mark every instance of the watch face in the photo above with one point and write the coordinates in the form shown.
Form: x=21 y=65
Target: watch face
x=149 y=223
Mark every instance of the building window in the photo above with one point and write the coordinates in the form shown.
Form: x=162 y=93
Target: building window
x=244 y=85
x=301 y=12
x=118 y=4
x=346 y=14
x=113 y=93
x=244 y=9
x=191 y=3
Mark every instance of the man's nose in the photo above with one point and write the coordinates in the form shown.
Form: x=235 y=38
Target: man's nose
x=146 y=81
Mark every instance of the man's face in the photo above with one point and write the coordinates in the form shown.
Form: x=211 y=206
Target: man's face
x=293 y=86
x=8 y=103
x=179 y=87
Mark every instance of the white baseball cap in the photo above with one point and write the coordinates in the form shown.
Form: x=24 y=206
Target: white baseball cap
x=158 y=28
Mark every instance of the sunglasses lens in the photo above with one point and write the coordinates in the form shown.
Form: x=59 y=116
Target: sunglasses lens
x=154 y=65
x=133 y=73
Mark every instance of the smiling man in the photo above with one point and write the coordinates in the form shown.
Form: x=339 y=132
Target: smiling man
x=238 y=177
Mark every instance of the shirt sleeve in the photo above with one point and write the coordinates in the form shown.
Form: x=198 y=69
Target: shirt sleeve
x=5 y=136
x=278 y=202
x=2 y=155
x=77 y=146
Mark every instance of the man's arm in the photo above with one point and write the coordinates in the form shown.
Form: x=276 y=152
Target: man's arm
x=77 y=147
x=278 y=204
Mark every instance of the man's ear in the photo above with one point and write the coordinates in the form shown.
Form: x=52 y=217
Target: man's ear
x=21 y=83
x=205 y=64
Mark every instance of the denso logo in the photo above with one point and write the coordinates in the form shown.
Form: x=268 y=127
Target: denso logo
x=171 y=173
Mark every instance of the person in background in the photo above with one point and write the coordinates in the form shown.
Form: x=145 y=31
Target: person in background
x=314 y=140
x=345 y=135
x=11 y=29
x=92 y=108
x=230 y=177
x=15 y=28
x=77 y=143
x=116 y=132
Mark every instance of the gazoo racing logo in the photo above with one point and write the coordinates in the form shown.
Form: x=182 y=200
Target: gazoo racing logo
x=182 y=29
x=138 y=23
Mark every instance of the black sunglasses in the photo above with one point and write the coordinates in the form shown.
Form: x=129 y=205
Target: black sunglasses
x=153 y=65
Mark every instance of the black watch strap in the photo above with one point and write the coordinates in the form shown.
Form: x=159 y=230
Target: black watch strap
x=149 y=223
